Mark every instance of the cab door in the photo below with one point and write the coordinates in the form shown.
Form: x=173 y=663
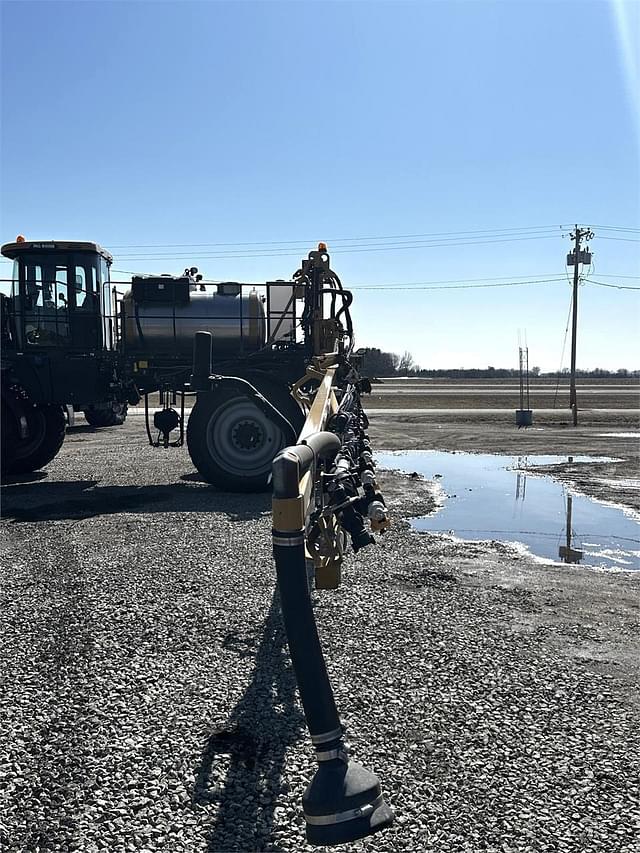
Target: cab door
x=87 y=332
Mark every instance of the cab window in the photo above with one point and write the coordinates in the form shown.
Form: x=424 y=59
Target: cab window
x=46 y=304
x=85 y=287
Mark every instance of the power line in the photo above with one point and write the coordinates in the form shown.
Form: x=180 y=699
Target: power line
x=614 y=286
x=457 y=284
x=273 y=253
x=617 y=275
x=341 y=249
x=350 y=244
x=617 y=228
x=536 y=275
x=443 y=284
x=436 y=236
x=283 y=243
x=454 y=287
x=358 y=244
x=421 y=236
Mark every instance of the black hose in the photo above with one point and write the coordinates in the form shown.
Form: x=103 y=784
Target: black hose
x=347 y=299
x=302 y=635
x=262 y=403
x=297 y=613
x=138 y=325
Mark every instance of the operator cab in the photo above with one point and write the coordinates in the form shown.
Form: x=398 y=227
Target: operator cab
x=60 y=297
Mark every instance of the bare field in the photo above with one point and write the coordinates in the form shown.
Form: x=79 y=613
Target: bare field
x=544 y=395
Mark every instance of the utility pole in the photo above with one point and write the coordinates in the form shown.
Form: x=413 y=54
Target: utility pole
x=575 y=258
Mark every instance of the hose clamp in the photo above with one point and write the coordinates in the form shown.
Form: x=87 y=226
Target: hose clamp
x=288 y=541
x=331 y=754
x=325 y=737
x=340 y=817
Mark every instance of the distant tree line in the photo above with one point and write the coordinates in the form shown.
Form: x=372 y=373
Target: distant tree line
x=620 y=373
x=376 y=363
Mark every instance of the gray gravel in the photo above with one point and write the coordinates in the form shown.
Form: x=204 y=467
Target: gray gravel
x=147 y=701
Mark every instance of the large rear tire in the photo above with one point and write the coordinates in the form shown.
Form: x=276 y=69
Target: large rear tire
x=232 y=442
x=113 y=414
x=46 y=429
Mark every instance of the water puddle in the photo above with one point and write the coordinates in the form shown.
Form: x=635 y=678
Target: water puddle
x=487 y=496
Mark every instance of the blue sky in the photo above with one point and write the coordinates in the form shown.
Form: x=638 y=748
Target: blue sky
x=141 y=125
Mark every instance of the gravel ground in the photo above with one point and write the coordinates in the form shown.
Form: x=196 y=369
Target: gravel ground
x=148 y=704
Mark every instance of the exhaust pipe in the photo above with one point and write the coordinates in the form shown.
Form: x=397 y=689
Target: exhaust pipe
x=202 y=361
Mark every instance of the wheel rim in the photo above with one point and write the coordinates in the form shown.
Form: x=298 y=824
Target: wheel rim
x=241 y=439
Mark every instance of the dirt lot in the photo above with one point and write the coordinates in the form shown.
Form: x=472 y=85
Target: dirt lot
x=147 y=702
x=546 y=396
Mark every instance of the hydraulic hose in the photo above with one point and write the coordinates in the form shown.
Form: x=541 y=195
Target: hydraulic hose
x=289 y=553
x=262 y=403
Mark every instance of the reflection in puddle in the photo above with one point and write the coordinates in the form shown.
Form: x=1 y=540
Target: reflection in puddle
x=488 y=496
